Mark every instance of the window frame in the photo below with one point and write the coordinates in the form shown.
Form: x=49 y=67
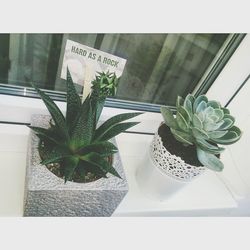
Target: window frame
x=24 y=101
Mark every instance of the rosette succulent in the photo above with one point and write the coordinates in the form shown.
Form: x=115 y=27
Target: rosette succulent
x=205 y=124
x=75 y=142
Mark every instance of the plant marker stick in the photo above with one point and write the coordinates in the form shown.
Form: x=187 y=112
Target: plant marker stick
x=87 y=82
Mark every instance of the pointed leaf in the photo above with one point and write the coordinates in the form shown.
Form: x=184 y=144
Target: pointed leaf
x=227 y=123
x=209 y=160
x=182 y=123
x=197 y=122
x=179 y=101
x=232 y=136
x=218 y=113
x=199 y=133
x=206 y=146
x=198 y=100
x=82 y=132
x=226 y=111
x=73 y=101
x=182 y=137
x=54 y=154
x=214 y=118
x=190 y=98
x=98 y=161
x=201 y=107
x=85 y=167
x=168 y=117
x=81 y=169
x=236 y=130
x=184 y=113
x=46 y=133
x=201 y=116
x=216 y=134
x=103 y=148
x=115 y=130
x=210 y=125
x=209 y=111
x=55 y=112
x=188 y=107
x=107 y=125
x=69 y=165
x=214 y=104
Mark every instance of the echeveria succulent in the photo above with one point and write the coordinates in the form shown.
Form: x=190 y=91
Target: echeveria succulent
x=205 y=124
x=75 y=141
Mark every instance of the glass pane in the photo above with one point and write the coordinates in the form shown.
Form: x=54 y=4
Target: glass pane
x=159 y=66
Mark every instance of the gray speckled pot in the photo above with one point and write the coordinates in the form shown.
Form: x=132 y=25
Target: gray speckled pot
x=47 y=195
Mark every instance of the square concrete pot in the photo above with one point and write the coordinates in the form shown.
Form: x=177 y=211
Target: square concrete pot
x=47 y=195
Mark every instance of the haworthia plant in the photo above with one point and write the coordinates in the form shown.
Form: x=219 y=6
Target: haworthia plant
x=205 y=124
x=75 y=141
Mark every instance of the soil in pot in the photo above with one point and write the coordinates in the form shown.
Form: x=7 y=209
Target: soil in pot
x=188 y=154
x=56 y=169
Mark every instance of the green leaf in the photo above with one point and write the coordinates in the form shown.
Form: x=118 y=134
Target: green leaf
x=182 y=137
x=81 y=169
x=179 y=101
x=201 y=107
x=232 y=136
x=54 y=153
x=197 y=122
x=219 y=114
x=188 y=104
x=199 y=133
x=206 y=146
x=209 y=160
x=46 y=133
x=55 y=113
x=236 y=130
x=98 y=161
x=188 y=107
x=201 y=116
x=226 y=111
x=214 y=118
x=209 y=111
x=182 y=123
x=69 y=165
x=73 y=102
x=228 y=122
x=107 y=125
x=210 y=125
x=229 y=117
x=190 y=98
x=214 y=104
x=198 y=100
x=115 y=130
x=168 y=117
x=216 y=134
x=103 y=148
x=184 y=113
x=82 y=133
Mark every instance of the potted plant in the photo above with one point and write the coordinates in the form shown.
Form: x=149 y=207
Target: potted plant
x=187 y=144
x=73 y=167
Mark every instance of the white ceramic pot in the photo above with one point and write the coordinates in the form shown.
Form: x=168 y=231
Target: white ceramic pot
x=162 y=174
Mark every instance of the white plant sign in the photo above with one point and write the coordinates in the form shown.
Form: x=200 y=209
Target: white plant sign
x=83 y=62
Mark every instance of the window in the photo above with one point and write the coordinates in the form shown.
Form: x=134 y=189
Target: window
x=159 y=66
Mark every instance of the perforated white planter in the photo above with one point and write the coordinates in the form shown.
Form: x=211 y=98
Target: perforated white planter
x=163 y=174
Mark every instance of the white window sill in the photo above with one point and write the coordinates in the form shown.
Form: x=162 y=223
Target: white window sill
x=206 y=196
